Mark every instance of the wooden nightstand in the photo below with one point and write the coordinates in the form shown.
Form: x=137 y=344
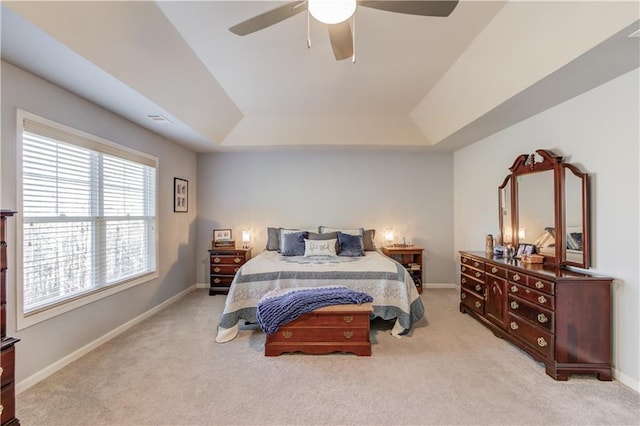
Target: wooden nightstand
x=225 y=262
x=410 y=258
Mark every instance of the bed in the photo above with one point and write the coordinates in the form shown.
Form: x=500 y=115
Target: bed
x=394 y=293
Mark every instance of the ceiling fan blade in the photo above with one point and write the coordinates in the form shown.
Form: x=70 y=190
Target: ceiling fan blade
x=341 y=40
x=269 y=18
x=424 y=7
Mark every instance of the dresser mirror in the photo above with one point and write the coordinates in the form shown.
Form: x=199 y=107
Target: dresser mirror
x=545 y=202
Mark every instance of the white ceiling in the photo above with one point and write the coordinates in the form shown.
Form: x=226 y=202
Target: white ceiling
x=418 y=82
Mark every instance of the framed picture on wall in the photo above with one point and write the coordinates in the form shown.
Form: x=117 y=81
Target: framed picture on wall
x=180 y=195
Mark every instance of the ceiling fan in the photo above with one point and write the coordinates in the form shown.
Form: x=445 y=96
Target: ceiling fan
x=336 y=14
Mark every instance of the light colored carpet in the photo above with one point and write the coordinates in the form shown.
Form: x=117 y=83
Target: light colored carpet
x=451 y=370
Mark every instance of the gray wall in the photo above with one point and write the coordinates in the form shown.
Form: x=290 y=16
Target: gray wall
x=50 y=341
x=411 y=192
x=599 y=131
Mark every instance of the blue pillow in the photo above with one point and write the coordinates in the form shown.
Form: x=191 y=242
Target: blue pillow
x=350 y=245
x=292 y=243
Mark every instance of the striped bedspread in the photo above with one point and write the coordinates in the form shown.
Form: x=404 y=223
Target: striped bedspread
x=393 y=291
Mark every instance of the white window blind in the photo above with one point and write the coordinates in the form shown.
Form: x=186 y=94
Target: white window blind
x=89 y=215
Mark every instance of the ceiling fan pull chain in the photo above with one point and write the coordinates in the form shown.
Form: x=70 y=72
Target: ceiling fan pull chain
x=308 y=30
x=353 y=38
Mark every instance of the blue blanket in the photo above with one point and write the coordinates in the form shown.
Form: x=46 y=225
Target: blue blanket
x=272 y=312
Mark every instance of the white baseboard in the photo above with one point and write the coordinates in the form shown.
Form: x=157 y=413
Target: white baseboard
x=439 y=285
x=60 y=364
x=626 y=380
x=202 y=285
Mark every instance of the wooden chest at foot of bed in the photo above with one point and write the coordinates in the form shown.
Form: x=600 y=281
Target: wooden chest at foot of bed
x=337 y=328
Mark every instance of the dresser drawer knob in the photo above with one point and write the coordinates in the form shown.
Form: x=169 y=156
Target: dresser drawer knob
x=478 y=287
x=348 y=319
x=1 y=371
x=464 y=281
x=516 y=277
x=347 y=334
x=478 y=304
x=216 y=260
x=216 y=269
x=539 y=285
x=494 y=270
x=237 y=260
x=513 y=325
x=476 y=264
x=514 y=289
x=514 y=305
x=217 y=280
x=464 y=260
x=542 y=318
x=287 y=334
x=2 y=409
x=541 y=342
x=236 y=269
x=464 y=268
x=542 y=299
x=478 y=274
x=463 y=296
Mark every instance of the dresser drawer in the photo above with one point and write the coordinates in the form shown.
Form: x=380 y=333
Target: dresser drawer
x=472 y=301
x=227 y=259
x=8 y=401
x=3 y=256
x=536 y=337
x=516 y=277
x=7 y=362
x=524 y=292
x=496 y=270
x=472 y=285
x=3 y=285
x=532 y=312
x=541 y=285
x=224 y=269
x=474 y=263
x=473 y=273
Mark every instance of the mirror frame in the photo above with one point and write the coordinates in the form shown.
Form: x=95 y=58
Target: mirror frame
x=527 y=164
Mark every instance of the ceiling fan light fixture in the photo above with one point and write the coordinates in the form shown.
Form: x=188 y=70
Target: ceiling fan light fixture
x=332 y=11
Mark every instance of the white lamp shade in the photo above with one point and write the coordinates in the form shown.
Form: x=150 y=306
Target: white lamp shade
x=246 y=236
x=332 y=11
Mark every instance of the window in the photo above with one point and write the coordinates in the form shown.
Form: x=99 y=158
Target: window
x=88 y=217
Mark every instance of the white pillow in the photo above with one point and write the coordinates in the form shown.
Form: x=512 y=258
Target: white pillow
x=320 y=247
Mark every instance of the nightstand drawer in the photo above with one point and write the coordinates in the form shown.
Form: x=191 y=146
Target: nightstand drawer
x=8 y=366
x=221 y=280
x=226 y=259
x=224 y=269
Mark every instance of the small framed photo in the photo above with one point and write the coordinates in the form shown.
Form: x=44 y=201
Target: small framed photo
x=180 y=195
x=525 y=250
x=221 y=234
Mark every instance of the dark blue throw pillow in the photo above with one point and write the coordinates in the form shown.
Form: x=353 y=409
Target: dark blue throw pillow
x=350 y=245
x=292 y=244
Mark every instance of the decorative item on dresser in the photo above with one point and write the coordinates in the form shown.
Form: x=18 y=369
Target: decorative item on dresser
x=559 y=316
x=224 y=263
x=7 y=356
x=411 y=258
x=336 y=328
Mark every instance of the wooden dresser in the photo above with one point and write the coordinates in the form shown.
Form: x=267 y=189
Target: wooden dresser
x=337 y=328
x=224 y=263
x=7 y=356
x=559 y=317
